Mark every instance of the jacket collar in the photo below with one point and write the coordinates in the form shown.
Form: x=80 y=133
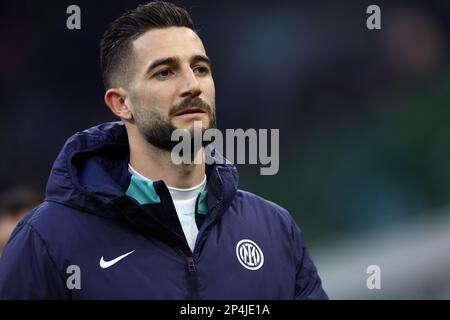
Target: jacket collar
x=91 y=174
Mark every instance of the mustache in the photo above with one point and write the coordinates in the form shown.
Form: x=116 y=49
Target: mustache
x=195 y=102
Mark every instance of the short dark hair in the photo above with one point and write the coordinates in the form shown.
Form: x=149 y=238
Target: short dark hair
x=115 y=45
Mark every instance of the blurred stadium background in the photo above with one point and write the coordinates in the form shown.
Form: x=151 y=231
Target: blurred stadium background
x=364 y=119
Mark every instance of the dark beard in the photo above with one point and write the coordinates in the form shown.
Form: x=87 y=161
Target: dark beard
x=158 y=131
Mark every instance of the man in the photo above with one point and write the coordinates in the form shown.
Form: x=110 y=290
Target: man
x=121 y=221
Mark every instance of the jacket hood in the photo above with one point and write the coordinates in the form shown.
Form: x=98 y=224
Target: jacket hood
x=91 y=174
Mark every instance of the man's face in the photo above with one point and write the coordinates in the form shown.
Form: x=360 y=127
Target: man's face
x=172 y=84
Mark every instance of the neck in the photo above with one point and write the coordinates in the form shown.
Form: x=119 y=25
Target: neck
x=156 y=164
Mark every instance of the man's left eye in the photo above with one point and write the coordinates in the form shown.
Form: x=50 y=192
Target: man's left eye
x=201 y=70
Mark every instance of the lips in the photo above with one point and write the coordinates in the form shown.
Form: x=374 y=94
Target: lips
x=189 y=111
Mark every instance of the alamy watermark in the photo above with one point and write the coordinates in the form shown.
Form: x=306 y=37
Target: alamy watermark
x=236 y=141
x=74 y=279
x=373 y=22
x=374 y=280
x=73 y=21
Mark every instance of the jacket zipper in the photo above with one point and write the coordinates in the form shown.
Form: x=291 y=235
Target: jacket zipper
x=192 y=278
x=190 y=260
x=192 y=270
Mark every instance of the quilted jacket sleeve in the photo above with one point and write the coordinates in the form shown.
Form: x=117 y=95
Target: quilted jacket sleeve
x=308 y=285
x=26 y=269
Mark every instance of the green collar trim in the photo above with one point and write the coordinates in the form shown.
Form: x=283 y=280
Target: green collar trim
x=202 y=207
x=142 y=191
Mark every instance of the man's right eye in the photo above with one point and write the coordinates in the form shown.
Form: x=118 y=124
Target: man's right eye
x=163 y=74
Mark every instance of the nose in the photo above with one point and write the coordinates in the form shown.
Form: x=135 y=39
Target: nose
x=190 y=86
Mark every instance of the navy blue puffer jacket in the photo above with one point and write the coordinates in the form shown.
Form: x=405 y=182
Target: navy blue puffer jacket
x=89 y=240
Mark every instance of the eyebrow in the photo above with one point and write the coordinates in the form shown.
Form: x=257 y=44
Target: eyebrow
x=173 y=61
x=201 y=58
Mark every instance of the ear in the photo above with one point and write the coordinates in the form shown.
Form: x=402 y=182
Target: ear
x=117 y=102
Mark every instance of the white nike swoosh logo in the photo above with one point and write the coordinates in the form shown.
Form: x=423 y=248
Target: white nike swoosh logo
x=106 y=264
